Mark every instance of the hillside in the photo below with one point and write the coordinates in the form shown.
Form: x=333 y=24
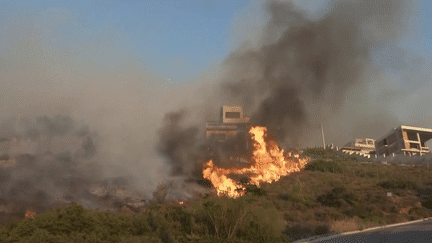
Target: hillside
x=335 y=193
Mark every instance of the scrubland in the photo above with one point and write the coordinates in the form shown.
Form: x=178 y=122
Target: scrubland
x=335 y=193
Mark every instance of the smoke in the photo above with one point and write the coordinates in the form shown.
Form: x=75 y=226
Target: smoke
x=77 y=109
x=50 y=160
x=302 y=69
x=178 y=143
x=318 y=69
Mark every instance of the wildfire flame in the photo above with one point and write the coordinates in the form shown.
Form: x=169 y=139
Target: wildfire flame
x=30 y=214
x=268 y=164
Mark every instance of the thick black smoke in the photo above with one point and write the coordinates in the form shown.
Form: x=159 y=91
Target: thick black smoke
x=311 y=63
x=308 y=72
x=178 y=143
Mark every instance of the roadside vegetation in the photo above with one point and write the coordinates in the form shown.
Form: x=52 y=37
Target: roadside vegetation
x=335 y=193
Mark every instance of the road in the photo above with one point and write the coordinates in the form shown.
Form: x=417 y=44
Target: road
x=419 y=232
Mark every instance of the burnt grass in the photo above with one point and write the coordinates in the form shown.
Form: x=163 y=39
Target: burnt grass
x=335 y=193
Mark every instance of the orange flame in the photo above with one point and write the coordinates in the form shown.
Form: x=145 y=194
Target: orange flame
x=268 y=165
x=30 y=214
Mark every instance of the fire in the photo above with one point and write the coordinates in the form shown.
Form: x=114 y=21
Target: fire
x=268 y=164
x=30 y=214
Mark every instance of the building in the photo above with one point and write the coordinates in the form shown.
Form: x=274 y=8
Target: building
x=404 y=140
x=231 y=124
x=362 y=146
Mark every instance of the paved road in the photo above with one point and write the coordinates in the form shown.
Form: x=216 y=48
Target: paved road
x=412 y=233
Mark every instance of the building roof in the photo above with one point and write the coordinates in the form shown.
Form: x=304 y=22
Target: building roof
x=420 y=129
x=426 y=132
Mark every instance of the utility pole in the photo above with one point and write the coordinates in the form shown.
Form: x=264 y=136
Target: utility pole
x=322 y=132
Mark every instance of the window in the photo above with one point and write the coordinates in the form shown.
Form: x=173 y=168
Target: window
x=414 y=146
x=412 y=136
x=232 y=114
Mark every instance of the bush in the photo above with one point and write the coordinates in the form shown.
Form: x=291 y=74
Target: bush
x=369 y=213
x=223 y=216
x=322 y=229
x=263 y=224
x=324 y=166
x=319 y=153
x=421 y=212
x=398 y=184
x=336 y=216
x=72 y=223
x=337 y=197
x=141 y=224
x=248 y=218
x=254 y=190
x=299 y=231
x=284 y=196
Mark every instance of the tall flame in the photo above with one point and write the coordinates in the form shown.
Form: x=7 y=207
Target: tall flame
x=268 y=164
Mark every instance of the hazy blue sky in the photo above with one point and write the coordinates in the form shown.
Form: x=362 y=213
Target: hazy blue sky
x=173 y=38
x=178 y=37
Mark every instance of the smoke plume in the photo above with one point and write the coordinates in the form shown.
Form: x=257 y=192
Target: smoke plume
x=178 y=143
x=304 y=70
x=78 y=108
x=313 y=70
x=47 y=160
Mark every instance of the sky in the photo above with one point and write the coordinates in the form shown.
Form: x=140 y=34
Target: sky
x=176 y=39
x=169 y=42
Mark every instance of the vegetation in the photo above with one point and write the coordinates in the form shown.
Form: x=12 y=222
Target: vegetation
x=335 y=193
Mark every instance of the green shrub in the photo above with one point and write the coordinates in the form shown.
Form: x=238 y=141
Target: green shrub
x=262 y=224
x=337 y=198
x=250 y=218
x=141 y=224
x=369 y=213
x=284 y=196
x=255 y=190
x=398 y=184
x=73 y=224
x=324 y=166
x=223 y=216
x=251 y=188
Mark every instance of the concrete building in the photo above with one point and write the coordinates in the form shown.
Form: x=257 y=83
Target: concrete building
x=363 y=146
x=232 y=122
x=228 y=140
x=404 y=140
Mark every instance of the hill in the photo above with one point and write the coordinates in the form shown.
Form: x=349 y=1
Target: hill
x=335 y=193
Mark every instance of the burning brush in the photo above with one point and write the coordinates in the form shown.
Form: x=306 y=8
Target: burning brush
x=30 y=214
x=268 y=164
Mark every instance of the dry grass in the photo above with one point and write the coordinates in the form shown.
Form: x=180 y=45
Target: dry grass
x=345 y=225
